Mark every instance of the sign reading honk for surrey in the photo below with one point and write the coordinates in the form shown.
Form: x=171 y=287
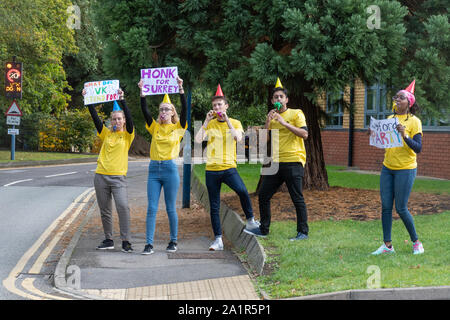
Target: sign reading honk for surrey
x=159 y=81
x=101 y=91
x=384 y=134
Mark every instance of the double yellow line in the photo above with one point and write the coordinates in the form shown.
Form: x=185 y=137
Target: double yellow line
x=28 y=283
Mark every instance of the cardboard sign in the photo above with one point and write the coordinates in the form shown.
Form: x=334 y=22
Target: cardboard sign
x=101 y=91
x=159 y=81
x=384 y=134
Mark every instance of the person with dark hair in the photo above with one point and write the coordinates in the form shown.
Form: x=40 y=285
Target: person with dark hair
x=110 y=175
x=399 y=170
x=288 y=151
x=167 y=132
x=223 y=132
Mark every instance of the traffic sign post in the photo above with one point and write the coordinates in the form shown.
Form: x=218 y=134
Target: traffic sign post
x=13 y=115
x=13 y=90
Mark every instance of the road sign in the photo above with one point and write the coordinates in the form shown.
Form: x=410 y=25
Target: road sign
x=13 y=120
x=14 y=109
x=13 y=80
x=14 y=132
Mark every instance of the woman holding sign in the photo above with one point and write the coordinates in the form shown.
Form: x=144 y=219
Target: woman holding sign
x=110 y=175
x=167 y=132
x=399 y=170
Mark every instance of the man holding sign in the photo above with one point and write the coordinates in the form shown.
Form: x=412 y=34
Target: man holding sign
x=399 y=165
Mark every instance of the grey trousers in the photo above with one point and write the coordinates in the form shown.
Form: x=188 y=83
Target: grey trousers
x=107 y=187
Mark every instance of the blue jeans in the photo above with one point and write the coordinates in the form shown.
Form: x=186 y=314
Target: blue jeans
x=231 y=178
x=396 y=185
x=162 y=174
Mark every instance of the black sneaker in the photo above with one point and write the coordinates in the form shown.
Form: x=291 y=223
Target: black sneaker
x=107 y=244
x=172 y=247
x=126 y=247
x=148 y=249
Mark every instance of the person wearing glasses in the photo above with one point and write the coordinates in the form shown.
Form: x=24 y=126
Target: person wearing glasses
x=399 y=170
x=167 y=132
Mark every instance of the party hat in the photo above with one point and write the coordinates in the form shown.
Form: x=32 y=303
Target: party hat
x=166 y=99
x=219 y=92
x=411 y=86
x=116 y=106
x=278 y=85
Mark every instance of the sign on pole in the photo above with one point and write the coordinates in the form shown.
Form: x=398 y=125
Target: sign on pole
x=13 y=80
x=101 y=91
x=13 y=120
x=159 y=81
x=14 y=110
x=384 y=134
x=14 y=132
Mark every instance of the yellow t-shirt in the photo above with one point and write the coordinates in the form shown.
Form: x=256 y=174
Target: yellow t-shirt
x=113 y=157
x=166 y=140
x=401 y=158
x=221 y=147
x=288 y=147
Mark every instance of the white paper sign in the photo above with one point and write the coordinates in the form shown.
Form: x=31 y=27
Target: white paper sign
x=384 y=134
x=159 y=81
x=101 y=91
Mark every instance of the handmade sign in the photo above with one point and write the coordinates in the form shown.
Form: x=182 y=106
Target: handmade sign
x=384 y=134
x=101 y=91
x=159 y=81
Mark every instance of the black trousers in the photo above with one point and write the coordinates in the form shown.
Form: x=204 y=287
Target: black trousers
x=292 y=174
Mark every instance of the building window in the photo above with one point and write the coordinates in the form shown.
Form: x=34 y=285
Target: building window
x=431 y=122
x=377 y=103
x=335 y=110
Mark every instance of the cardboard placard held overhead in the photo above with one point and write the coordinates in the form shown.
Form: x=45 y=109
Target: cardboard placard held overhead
x=101 y=91
x=159 y=81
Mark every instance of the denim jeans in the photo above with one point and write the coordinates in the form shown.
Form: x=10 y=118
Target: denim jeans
x=162 y=174
x=396 y=185
x=231 y=178
x=292 y=174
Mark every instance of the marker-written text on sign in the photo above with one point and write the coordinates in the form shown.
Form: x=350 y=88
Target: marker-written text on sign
x=384 y=134
x=159 y=81
x=101 y=91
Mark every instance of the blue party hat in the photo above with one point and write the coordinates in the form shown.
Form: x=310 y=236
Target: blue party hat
x=116 y=106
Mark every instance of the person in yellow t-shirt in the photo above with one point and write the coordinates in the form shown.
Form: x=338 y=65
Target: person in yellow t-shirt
x=288 y=150
x=222 y=133
x=399 y=171
x=110 y=175
x=167 y=132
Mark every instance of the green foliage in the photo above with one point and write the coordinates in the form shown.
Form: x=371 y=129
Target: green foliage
x=71 y=131
x=35 y=32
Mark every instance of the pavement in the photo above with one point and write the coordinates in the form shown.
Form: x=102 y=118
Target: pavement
x=191 y=273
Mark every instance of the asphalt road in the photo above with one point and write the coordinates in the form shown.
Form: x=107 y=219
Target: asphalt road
x=32 y=198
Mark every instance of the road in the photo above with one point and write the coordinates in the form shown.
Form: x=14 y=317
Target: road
x=31 y=200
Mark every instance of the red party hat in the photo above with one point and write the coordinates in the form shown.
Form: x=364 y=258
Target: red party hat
x=219 y=92
x=411 y=86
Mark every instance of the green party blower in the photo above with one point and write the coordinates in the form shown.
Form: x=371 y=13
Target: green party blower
x=277 y=105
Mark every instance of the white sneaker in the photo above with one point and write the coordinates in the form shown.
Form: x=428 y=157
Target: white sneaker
x=252 y=224
x=217 y=245
x=418 y=247
x=383 y=249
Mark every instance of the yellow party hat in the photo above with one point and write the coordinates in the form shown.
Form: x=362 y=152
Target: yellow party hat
x=166 y=99
x=278 y=85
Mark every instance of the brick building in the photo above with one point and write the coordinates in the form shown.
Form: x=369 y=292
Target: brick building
x=340 y=143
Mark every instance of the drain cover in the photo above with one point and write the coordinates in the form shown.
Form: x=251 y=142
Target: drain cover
x=197 y=255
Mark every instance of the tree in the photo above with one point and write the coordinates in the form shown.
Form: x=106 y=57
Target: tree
x=35 y=31
x=314 y=46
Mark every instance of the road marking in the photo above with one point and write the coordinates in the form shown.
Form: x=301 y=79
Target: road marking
x=28 y=283
x=10 y=184
x=9 y=282
x=60 y=174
